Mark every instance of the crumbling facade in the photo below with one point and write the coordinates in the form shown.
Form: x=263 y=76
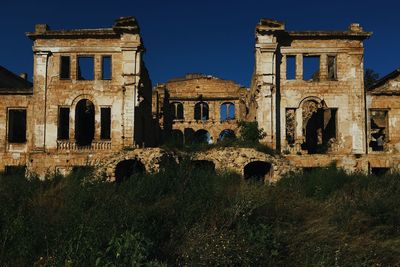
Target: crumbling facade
x=92 y=103
x=383 y=114
x=88 y=99
x=307 y=93
x=199 y=108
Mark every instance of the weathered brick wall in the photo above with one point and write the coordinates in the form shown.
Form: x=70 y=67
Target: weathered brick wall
x=193 y=89
x=15 y=154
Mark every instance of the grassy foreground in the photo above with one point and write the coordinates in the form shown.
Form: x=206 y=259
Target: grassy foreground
x=186 y=217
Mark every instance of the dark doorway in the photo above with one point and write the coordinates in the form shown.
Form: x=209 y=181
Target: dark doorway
x=203 y=165
x=177 y=137
x=319 y=127
x=84 y=123
x=202 y=137
x=227 y=134
x=19 y=170
x=256 y=171
x=128 y=168
x=379 y=171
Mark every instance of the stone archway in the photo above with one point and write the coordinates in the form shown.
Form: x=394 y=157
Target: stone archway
x=257 y=170
x=226 y=135
x=202 y=165
x=202 y=137
x=319 y=126
x=127 y=168
x=84 y=122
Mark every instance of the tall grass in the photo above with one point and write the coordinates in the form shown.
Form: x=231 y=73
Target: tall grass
x=184 y=216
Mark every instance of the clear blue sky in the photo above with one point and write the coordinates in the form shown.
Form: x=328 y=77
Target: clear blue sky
x=211 y=37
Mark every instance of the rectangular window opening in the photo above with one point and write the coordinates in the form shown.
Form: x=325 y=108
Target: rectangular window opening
x=65 y=67
x=85 y=68
x=106 y=68
x=63 y=123
x=311 y=68
x=290 y=125
x=17 y=125
x=332 y=75
x=290 y=67
x=379 y=125
x=105 y=122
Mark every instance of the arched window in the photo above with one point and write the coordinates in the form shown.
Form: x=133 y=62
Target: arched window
x=176 y=110
x=227 y=111
x=202 y=137
x=201 y=111
x=227 y=134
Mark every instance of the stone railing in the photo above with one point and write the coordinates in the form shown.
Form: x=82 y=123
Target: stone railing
x=95 y=145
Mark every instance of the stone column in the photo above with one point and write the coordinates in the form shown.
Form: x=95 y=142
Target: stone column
x=40 y=63
x=130 y=73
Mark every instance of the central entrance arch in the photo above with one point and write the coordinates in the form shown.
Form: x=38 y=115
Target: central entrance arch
x=84 y=122
x=319 y=126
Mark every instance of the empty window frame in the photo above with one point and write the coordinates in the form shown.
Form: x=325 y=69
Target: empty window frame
x=177 y=111
x=290 y=125
x=227 y=111
x=311 y=67
x=17 y=125
x=332 y=70
x=106 y=68
x=290 y=67
x=201 y=111
x=379 y=129
x=63 y=123
x=85 y=68
x=65 y=67
x=105 y=122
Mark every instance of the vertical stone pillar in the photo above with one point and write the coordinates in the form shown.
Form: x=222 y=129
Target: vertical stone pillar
x=40 y=63
x=323 y=67
x=131 y=69
x=299 y=67
x=266 y=99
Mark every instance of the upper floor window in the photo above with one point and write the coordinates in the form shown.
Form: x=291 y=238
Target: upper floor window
x=177 y=111
x=65 y=67
x=332 y=73
x=311 y=68
x=106 y=68
x=290 y=67
x=227 y=111
x=17 y=125
x=201 y=111
x=85 y=68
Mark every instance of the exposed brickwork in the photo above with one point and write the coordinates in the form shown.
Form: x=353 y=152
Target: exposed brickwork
x=313 y=118
x=191 y=90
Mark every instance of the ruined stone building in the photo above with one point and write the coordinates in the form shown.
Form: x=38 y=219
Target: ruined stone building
x=92 y=103
x=307 y=93
x=88 y=99
x=199 y=108
x=383 y=114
